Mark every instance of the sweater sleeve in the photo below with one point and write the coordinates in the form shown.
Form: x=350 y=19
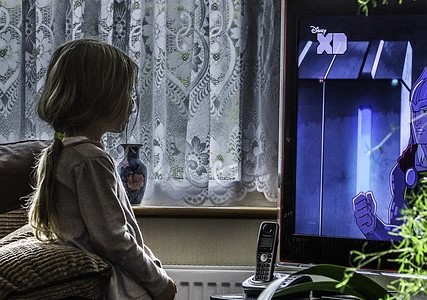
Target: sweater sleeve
x=107 y=225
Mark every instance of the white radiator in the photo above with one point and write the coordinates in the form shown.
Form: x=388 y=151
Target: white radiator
x=200 y=282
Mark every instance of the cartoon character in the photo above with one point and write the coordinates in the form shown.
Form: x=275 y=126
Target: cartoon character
x=410 y=167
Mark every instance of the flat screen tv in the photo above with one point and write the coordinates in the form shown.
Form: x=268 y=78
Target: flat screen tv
x=354 y=101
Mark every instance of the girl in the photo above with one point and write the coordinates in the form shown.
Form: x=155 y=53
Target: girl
x=79 y=198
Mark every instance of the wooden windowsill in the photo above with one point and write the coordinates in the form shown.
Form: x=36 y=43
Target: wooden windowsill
x=207 y=212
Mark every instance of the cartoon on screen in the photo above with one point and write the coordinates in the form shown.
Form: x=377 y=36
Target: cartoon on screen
x=405 y=175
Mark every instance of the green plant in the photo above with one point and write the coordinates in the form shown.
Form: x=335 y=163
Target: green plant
x=364 y=5
x=355 y=284
x=410 y=251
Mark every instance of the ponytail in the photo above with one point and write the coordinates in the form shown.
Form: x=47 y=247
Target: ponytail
x=43 y=212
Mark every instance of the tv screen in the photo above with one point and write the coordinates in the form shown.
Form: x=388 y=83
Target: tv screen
x=354 y=101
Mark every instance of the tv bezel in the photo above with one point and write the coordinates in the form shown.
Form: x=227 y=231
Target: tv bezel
x=307 y=249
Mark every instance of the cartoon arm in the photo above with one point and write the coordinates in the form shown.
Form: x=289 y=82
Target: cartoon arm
x=365 y=209
x=398 y=187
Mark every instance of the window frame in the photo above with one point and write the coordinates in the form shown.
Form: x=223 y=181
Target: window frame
x=234 y=212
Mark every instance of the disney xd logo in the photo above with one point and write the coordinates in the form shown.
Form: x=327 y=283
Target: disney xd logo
x=330 y=43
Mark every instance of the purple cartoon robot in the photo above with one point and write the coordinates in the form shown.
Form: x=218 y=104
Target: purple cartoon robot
x=405 y=175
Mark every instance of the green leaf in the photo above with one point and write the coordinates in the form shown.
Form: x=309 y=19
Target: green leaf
x=324 y=286
x=357 y=282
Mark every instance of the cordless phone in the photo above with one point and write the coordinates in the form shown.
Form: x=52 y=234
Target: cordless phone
x=265 y=262
x=266 y=251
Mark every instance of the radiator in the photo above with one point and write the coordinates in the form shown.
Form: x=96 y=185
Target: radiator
x=200 y=282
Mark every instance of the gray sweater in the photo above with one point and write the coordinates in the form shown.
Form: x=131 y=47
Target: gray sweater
x=95 y=215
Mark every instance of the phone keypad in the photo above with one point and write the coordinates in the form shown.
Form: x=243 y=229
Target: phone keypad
x=263 y=268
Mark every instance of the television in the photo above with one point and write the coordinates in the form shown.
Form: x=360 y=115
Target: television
x=346 y=103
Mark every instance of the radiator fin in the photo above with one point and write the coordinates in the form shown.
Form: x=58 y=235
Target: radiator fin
x=201 y=282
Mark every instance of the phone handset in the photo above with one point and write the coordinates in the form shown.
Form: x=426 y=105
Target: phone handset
x=266 y=251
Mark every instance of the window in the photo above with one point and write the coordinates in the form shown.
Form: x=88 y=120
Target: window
x=207 y=113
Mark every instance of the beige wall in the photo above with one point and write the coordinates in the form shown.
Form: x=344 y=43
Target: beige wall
x=202 y=241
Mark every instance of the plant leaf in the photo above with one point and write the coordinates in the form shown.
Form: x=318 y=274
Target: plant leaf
x=358 y=282
x=324 y=286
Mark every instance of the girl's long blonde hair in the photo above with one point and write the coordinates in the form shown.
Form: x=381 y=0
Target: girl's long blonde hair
x=88 y=82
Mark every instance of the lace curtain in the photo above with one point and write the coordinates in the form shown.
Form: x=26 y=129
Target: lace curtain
x=207 y=93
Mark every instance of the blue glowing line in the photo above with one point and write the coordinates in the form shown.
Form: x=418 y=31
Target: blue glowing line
x=364 y=136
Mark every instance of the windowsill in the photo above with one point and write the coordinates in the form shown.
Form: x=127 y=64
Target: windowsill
x=207 y=212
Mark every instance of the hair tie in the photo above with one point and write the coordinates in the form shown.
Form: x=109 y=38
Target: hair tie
x=59 y=136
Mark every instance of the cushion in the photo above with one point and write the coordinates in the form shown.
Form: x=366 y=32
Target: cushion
x=16 y=164
x=30 y=269
x=12 y=221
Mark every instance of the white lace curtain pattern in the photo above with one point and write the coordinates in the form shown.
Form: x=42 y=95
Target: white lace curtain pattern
x=207 y=92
